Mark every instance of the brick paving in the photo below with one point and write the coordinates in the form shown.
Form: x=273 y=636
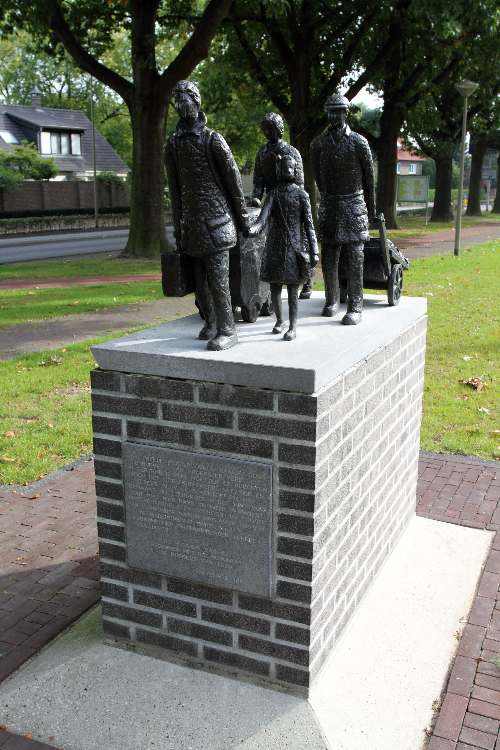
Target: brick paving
x=466 y=491
x=48 y=561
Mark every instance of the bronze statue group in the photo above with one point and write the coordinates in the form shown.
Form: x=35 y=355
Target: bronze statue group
x=209 y=211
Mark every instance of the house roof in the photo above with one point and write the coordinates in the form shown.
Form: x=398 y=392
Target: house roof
x=25 y=121
x=405 y=154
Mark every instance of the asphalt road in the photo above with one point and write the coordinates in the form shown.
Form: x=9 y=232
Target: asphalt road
x=58 y=245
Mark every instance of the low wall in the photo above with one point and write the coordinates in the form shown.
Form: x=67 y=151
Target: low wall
x=43 y=195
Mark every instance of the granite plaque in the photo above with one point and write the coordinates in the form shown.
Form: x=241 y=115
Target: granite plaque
x=199 y=516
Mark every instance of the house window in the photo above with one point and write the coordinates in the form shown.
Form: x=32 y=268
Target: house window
x=60 y=143
x=8 y=137
x=76 y=145
x=398 y=168
x=412 y=168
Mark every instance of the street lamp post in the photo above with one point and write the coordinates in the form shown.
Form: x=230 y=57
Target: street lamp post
x=465 y=88
x=94 y=166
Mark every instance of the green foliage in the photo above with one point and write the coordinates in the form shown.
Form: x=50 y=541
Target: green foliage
x=9 y=179
x=110 y=178
x=25 y=161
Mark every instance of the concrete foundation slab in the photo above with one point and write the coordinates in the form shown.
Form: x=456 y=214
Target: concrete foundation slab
x=375 y=691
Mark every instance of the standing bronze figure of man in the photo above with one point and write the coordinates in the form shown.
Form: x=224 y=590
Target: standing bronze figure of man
x=208 y=208
x=343 y=170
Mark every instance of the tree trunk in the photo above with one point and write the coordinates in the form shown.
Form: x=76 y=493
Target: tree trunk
x=442 y=210
x=476 y=169
x=387 y=152
x=496 y=204
x=300 y=138
x=147 y=237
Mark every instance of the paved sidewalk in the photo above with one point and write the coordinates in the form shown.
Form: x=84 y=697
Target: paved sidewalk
x=437 y=243
x=466 y=491
x=58 y=332
x=49 y=578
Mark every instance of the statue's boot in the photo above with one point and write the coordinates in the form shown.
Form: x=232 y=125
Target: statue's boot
x=306 y=290
x=354 y=287
x=223 y=341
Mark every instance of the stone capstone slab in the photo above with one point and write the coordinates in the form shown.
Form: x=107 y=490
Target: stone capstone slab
x=201 y=517
x=323 y=350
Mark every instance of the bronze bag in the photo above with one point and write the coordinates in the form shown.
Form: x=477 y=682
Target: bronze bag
x=177 y=277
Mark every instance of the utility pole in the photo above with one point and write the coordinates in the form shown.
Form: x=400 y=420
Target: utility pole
x=92 y=118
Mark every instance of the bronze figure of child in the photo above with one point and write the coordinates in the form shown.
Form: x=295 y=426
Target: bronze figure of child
x=288 y=257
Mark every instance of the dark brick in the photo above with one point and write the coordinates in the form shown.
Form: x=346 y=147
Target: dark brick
x=159 y=433
x=275 y=609
x=294 y=591
x=236 y=661
x=114 y=591
x=300 y=478
x=166 y=641
x=114 y=630
x=276 y=650
x=111 y=448
x=109 y=490
x=108 y=469
x=239 y=397
x=132 y=407
x=106 y=425
x=296 y=524
x=133 y=615
x=107 y=510
x=291 y=403
x=159 y=388
x=235 y=444
x=105 y=380
x=112 y=551
x=297 y=454
x=109 y=531
x=197 y=415
x=139 y=577
x=288 y=428
x=297 y=501
x=235 y=620
x=295 y=547
x=294 y=569
x=295 y=676
x=155 y=601
x=194 y=630
x=291 y=633
x=199 y=591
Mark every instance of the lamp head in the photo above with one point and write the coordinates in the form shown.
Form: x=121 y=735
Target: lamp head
x=466 y=87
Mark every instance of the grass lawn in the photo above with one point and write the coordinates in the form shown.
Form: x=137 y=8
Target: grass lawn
x=21 y=305
x=45 y=404
x=415 y=226
x=105 y=265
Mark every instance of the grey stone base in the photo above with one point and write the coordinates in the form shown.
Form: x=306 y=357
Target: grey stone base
x=344 y=469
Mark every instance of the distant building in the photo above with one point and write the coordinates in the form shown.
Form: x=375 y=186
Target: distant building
x=408 y=161
x=64 y=135
x=489 y=171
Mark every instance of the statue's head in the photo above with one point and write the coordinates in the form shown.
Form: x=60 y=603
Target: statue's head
x=272 y=126
x=336 y=107
x=187 y=99
x=285 y=168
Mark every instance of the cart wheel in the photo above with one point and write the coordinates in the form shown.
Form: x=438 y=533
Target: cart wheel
x=250 y=313
x=267 y=309
x=343 y=294
x=395 y=284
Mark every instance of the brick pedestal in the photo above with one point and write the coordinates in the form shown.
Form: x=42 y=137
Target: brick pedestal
x=344 y=466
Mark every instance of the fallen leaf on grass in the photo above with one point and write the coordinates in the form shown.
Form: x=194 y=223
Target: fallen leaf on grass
x=7 y=460
x=9 y=433
x=463 y=397
x=484 y=410
x=466 y=357
x=476 y=383
x=50 y=361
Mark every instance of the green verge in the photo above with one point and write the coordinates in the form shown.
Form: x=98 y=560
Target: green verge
x=22 y=306
x=106 y=265
x=45 y=404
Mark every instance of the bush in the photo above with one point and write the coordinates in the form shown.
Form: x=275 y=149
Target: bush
x=27 y=163
x=111 y=178
x=9 y=179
